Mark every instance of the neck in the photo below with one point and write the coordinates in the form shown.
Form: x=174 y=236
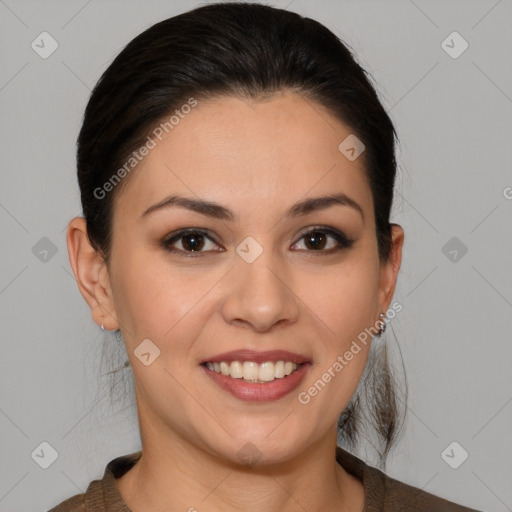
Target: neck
x=174 y=474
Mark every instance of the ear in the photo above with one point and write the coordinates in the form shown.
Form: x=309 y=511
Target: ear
x=389 y=270
x=91 y=274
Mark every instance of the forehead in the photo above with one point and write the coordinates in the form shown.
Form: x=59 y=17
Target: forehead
x=244 y=153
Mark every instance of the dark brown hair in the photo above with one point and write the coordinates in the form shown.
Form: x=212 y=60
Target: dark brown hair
x=249 y=51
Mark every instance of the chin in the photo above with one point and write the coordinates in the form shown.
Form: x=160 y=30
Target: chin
x=259 y=451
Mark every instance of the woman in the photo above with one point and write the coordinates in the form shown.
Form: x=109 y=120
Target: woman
x=236 y=172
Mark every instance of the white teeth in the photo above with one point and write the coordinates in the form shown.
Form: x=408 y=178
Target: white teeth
x=224 y=368
x=279 y=366
x=251 y=371
x=235 y=370
x=267 y=372
x=288 y=368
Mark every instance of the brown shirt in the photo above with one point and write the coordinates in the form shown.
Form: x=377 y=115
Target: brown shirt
x=381 y=492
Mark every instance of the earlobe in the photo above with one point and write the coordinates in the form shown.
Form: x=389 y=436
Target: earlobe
x=91 y=274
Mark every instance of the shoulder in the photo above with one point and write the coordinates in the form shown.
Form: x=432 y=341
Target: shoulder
x=101 y=495
x=94 y=498
x=401 y=496
x=386 y=494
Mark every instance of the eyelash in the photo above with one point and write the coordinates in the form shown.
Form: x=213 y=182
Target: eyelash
x=343 y=241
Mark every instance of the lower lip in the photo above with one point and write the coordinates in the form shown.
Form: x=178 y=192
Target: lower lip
x=254 y=392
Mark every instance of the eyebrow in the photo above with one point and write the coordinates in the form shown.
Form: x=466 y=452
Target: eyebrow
x=217 y=211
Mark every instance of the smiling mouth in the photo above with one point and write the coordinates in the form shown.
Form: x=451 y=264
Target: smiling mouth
x=251 y=371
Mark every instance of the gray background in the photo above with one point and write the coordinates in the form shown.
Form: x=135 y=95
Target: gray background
x=453 y=116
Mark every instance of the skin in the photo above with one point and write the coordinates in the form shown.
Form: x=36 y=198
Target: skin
x=241 y=154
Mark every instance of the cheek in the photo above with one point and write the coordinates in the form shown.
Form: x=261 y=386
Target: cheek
x=143 y=296
x=343 y=297
x=162 y=301
x=344 y=302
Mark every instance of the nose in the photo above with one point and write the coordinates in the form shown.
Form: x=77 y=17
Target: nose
x=260 y=295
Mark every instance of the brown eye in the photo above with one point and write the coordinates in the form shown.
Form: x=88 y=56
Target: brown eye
x=191 y=241
x=194 y=242
x=316 y=240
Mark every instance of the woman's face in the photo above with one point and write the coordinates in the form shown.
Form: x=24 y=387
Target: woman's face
x=256 y=280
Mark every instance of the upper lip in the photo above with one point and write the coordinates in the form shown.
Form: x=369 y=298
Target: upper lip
x=257 y=356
